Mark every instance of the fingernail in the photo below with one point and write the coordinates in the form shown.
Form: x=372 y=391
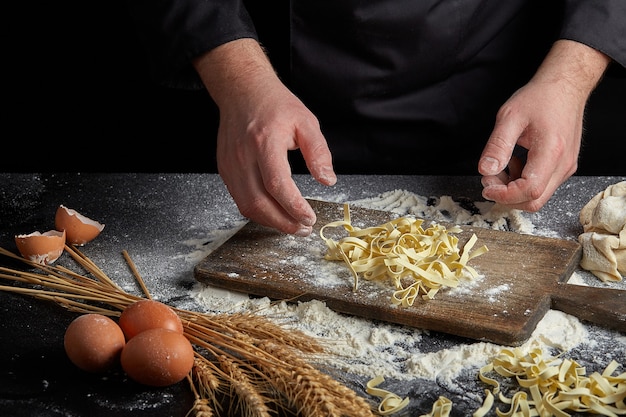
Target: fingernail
x=488 y=181
x=309 y=220
x=328 y=177
x=489 y=165
x=486 y=196
x=304 y=231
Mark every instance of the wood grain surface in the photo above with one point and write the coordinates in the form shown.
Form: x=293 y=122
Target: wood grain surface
x=522 y=277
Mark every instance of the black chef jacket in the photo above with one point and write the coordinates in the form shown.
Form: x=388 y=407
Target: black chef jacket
x=399 y=86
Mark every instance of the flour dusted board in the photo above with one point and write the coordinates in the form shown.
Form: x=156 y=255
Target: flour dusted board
x=523 y=276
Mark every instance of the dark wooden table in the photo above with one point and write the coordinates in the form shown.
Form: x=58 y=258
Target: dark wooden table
x=150 y=216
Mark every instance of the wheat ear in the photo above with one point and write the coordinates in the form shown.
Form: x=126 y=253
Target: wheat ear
x=311 y=392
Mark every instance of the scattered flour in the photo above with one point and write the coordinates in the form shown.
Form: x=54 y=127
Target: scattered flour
x=363 y=347
x=493 y=293
x=368 y=348
x=444 y=209
x=202 y=247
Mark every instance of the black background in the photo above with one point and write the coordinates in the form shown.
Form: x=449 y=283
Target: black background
x=77 y=96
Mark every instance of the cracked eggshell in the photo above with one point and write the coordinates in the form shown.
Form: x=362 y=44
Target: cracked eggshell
x=42 y=248
x=78 y=228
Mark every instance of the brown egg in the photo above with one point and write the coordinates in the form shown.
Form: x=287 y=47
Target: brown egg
x=94 y=342
x=43 y=248
x=78 y=228
x=148 y=314
x=157 y=357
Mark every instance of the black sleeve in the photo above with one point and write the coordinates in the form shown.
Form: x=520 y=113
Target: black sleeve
x=174 y=32
x=600 y=24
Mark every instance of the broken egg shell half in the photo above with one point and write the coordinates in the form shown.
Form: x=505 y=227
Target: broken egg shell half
x=42 y=248
x=79 y=229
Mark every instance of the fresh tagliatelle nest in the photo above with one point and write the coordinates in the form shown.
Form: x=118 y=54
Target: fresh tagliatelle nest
x=418 y=261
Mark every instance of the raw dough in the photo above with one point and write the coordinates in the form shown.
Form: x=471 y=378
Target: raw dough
x=604 y=239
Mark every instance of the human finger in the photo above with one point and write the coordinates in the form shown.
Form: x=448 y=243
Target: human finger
x=240 y=169
x=280 y=187
x=539 y=178
x=256 y=203
x=499 y=147
x=316 y=154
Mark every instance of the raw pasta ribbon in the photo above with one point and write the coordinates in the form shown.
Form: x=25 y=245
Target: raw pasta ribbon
x=389 y=402
x=552 y=386
x=418 y=260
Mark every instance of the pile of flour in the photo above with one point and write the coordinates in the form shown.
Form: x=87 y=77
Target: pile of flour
x=367 y=348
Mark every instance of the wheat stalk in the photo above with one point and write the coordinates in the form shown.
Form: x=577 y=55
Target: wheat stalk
x=201 y=408
x=316 y=393
x=208 y=381
x=252 y=402
x=252 y=363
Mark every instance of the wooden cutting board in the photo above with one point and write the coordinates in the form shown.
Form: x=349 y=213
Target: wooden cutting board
x=522 y=277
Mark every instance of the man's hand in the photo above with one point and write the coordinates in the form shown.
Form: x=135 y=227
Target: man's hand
x=260 y=121
x=546 y=118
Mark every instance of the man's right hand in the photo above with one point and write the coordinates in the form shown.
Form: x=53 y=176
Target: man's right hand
x=260 y=121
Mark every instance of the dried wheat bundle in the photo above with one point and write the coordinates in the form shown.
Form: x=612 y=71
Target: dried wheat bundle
x=243 y=360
